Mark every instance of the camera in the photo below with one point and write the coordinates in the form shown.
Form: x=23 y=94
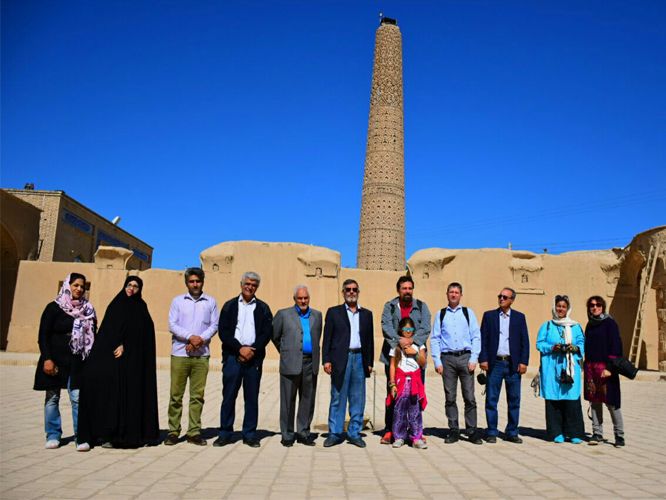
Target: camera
x=565 y=378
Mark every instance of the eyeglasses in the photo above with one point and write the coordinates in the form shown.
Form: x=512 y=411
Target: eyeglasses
x=594 y=304
x=503 y=297
x=409 y=330
x=349 y=289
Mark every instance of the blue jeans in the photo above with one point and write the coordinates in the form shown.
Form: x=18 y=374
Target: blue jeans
x=502 y=371
x=52 y=420
x=352 y=390
x=234 y=375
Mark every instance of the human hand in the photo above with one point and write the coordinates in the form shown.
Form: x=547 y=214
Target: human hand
x=522 y=368
x=484 y=366
x=471 y=367
x=196 y=341
x=189 y=348
x=369 y=369
x=246 y=353
x=328 y=368
x=405 y=342
x=118 y=351
x=50 y=368
x=605 y=374
x=557 y=347
x=439 y=369
x=394 y=391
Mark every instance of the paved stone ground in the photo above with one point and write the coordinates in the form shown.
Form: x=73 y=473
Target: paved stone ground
x=536 y=469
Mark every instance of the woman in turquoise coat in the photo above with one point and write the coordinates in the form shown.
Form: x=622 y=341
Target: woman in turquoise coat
x=561 y=343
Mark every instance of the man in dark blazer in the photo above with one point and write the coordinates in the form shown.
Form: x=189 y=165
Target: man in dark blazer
x=347 y=354
x=505 y=353
x=296 y=334
x=245 y=328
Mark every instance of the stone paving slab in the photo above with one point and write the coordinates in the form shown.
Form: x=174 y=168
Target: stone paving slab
x=535 y=469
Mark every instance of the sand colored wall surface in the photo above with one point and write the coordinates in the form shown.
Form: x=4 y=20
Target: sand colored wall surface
x=536 y=277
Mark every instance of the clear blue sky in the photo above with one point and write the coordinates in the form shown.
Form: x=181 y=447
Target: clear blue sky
x=537 y=123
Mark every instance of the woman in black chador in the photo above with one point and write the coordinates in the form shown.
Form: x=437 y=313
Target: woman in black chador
x=118 y=400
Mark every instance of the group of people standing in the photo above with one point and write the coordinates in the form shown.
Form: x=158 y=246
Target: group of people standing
x=110 y=373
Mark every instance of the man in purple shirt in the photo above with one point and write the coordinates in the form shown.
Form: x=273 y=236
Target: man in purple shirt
x=192 y=323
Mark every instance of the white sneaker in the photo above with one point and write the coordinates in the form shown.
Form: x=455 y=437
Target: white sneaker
x=398 y=443
x=52 y=444
x=83 y=447
x=420 y=444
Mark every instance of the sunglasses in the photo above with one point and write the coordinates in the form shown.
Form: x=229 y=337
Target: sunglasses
x=503 y=297
x=594 y=304
x=407 y=329
x=349 y=289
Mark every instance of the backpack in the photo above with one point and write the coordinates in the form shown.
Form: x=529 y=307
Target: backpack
x=442 y=313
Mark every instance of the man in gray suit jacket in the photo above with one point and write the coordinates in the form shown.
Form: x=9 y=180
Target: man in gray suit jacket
x=296 y=334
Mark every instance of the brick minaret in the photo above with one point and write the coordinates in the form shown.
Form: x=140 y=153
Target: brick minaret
x=381 y=241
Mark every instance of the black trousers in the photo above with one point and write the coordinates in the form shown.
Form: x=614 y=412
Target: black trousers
x=564 y=417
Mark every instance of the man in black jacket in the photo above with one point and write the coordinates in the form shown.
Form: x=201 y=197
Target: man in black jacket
x=347 y=354
x=245 y=328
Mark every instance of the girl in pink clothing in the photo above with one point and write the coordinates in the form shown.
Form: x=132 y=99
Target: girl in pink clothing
x=407 y=389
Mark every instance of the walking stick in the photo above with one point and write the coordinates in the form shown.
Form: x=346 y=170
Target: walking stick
x=374 y=397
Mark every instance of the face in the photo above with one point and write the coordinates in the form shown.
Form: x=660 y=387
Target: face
x=504 y=298
x=561 y=309
x=78 y=288
x=407 y=331
x=406 y=292
x=194 y=285
x=596 y=308
x=350 y=293
x=302 y=299
x=132 y=288
x=249 y=288
x=454 y=294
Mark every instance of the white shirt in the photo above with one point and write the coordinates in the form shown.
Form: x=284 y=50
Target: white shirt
x=407 y=362
x=355 y=337
x=503 y=346
x=245 y=332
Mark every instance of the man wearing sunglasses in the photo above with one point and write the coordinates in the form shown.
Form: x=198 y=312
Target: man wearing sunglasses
x=505 y=353
x=347 y=355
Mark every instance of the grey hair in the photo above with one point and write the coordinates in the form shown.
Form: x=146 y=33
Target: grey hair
x=250 y=275
x=299 y=287
x=513 y=292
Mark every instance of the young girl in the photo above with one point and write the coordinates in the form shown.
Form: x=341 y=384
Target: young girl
x=407 y=389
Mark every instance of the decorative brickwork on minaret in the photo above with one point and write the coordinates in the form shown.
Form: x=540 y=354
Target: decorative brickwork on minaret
x=381 y=242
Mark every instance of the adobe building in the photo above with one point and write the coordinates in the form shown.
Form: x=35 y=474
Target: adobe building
x=50 y=226
x=615 y=274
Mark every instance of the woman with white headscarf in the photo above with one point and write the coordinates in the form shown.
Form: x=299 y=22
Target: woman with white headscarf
x=561 y=343
x=66 y=336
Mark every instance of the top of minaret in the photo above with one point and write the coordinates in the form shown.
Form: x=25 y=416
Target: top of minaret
x=388 y=20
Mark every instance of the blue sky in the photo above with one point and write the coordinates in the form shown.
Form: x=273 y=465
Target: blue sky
x=542 y=124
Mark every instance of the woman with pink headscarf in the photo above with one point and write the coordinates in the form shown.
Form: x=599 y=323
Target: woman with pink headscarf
x=66 y=335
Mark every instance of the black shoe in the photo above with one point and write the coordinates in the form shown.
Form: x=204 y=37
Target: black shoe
x=513 y=439
x=453 y=437
x=491 y=439
x=196 y=439
x=287 y=443
x=171 y=439
x=595 y=440
x=357 y=441
x=252 y=442
x=475 y=438
x=307 y=440
x=619 y=441
x=332 y=441
x=222 y=441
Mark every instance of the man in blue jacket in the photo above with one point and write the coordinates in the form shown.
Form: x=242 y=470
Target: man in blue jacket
x=505 y=353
